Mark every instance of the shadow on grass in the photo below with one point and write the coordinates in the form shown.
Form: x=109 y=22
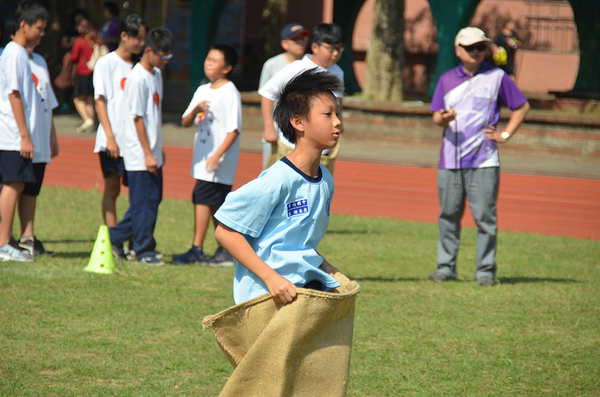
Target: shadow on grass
x=350 y=232
x=386 y=280
x=69 y=241
x=68 y=255
x=523 y=280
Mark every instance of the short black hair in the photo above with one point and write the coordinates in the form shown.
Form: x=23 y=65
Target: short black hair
x=297 y=96
x=30 y=12
x=229 y=53
x=77 y=11
x=11 y=26
x=112 y=7
x=329 y=33
x=131 y=25
x=160 y=39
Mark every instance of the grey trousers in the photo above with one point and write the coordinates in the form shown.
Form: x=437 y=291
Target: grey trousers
x=480 y=186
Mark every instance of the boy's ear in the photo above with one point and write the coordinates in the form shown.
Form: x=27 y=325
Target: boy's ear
x=314 y=47
x=297 y=122
x=227 y=70
x=284 y=45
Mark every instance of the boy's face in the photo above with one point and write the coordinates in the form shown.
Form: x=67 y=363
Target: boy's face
x=322 y=127
x=295 y=46
x=214 y=65
x=327 y=55
x=157 y=59
x=134 y=44
x=472 y=55
x=34 y=33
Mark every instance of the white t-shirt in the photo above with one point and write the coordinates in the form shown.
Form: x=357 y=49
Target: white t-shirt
x=110 y=74
x=223 y=117
x=271 y=67
x=142 y=97
x=15 y=75
x=42 y=107
x=274 y=86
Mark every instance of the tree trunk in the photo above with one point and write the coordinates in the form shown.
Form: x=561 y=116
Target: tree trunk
x=269 y=37
x=385 y=55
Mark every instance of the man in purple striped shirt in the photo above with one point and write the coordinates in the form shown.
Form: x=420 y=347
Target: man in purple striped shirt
x=466 y=103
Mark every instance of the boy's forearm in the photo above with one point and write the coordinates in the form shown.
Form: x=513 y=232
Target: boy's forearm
x=229 y=139
x=328 y=267
x=53 y=141
x=102 y=113
x=270 y=133
x=140 y=129
x=281 y=289
x=188 y=120
x=16 y=105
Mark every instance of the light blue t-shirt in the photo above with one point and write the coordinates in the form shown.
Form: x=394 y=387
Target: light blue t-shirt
x=283 y=214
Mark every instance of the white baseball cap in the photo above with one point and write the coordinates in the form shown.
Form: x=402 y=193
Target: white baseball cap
x=468 y=36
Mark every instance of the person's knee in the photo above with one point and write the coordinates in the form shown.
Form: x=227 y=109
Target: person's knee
x=112 y=185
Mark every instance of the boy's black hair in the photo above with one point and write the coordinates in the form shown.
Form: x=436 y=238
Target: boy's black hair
x=131 y=25
x=77 y=11
x=112 y=7
x=229 y=53
x=30 y=12
x=298 y=95
x=160 y=39
x=11 y=26
x=329 y=33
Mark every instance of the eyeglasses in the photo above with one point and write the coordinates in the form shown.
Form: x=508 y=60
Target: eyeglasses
x=339 y=49
x=481 y=47
x=164 y=57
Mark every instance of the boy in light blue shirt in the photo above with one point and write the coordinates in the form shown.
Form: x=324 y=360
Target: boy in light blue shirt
x=273 y=225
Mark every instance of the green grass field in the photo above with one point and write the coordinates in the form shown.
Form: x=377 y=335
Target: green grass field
x=66 y=332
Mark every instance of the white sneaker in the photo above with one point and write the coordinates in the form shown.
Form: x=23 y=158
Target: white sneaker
x=89 y=123
x=10 y=253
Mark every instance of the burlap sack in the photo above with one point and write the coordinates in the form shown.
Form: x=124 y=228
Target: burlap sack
x=297 y=349
x=281 y=150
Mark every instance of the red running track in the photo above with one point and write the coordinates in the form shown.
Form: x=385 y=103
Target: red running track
x=527 y=203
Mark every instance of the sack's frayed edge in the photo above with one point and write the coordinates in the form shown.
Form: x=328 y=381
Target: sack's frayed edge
x=208 y=321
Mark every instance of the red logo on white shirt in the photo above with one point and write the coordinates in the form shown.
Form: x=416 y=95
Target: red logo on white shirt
x=156 y=99
x=123 y=83
x=35 y=80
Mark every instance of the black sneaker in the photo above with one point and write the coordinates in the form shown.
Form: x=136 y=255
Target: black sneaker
x=194 y=256
x=440 y=277
x=151 y=260
x=34 y=247
x=221 y=258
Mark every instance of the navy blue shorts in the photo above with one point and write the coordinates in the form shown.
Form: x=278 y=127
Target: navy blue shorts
x=14 y=168
x=210 y=193
x=33 y=189
x=109 y=165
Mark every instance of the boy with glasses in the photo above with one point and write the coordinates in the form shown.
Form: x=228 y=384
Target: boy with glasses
x=141 y=146
x=466 y=103
x=327 y=49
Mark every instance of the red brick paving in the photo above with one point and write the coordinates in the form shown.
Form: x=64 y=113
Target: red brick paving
x=527 y=203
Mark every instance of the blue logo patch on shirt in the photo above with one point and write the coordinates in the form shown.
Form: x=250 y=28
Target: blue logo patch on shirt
x=297 y=208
